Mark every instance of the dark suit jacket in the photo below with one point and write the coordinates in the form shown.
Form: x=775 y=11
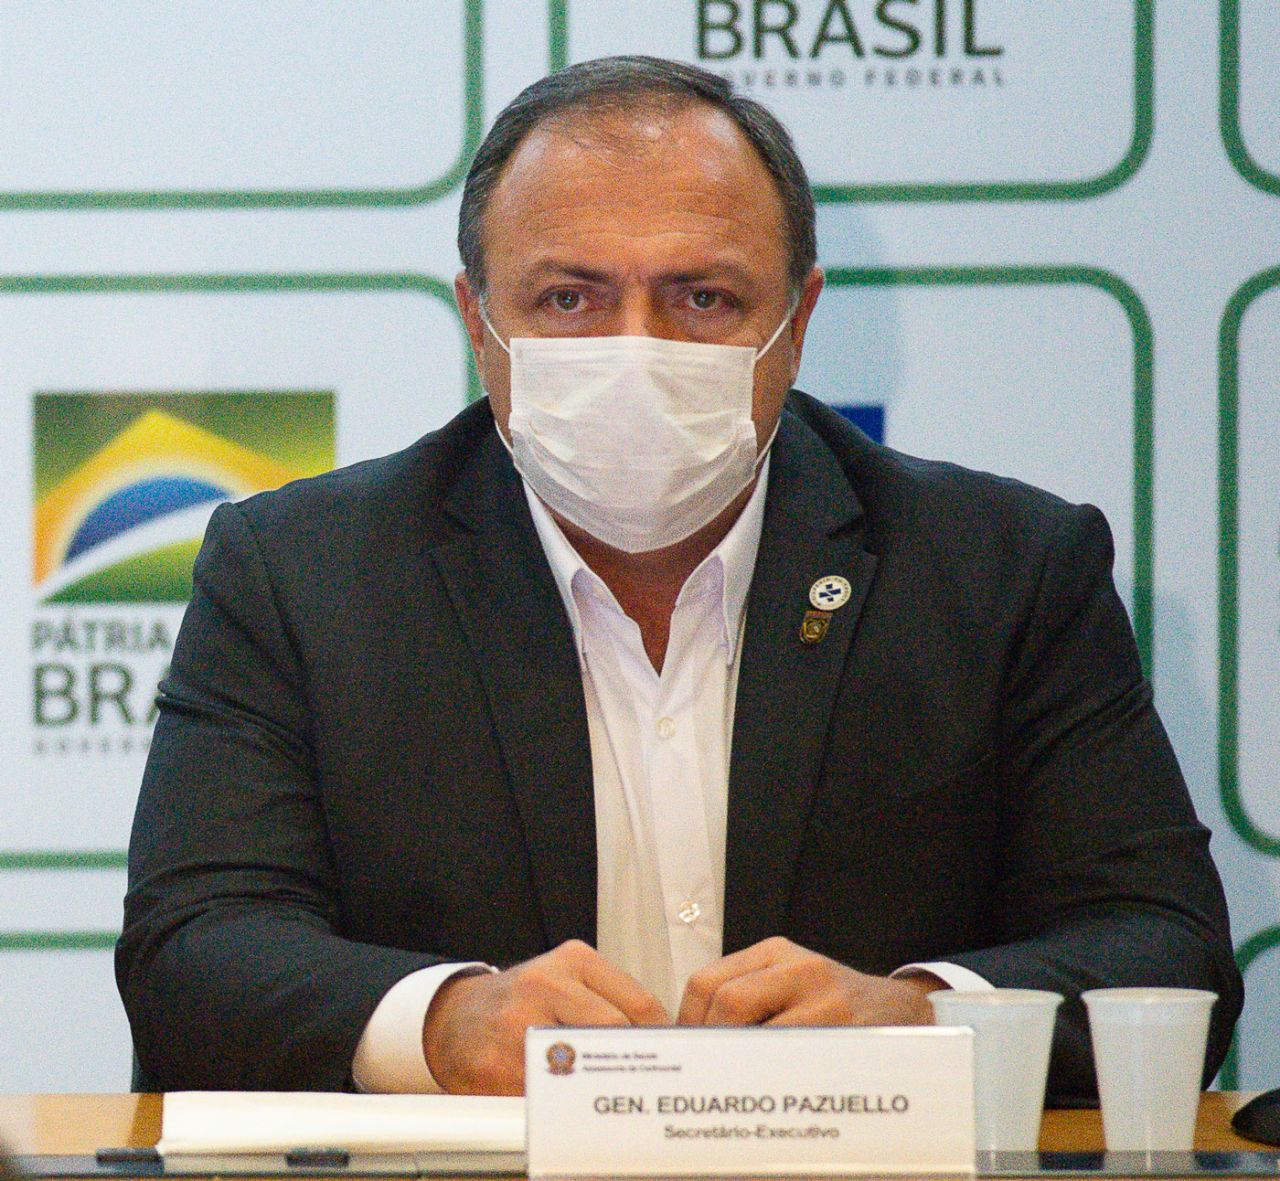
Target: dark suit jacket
x=372 y=755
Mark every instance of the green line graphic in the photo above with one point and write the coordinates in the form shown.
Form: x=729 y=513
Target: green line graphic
x=1229 y=103
x=557 y=34
x=1113 y=178
x=1143 y=392
x=1229 y=565
x=62 y=860
x=58 y=940
x=471 y=114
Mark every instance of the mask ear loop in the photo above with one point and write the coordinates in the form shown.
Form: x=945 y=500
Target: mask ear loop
x=777 y=332
x=484 y=316
x=763 y=452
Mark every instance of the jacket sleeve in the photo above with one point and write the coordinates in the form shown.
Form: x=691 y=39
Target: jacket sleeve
x=230 y=969
x=1105 y=877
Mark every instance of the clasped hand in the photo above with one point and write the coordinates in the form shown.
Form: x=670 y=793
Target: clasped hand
x=473 y=1036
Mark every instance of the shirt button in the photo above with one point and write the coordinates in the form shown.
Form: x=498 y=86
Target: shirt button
x=689 y=913
x=666 y=727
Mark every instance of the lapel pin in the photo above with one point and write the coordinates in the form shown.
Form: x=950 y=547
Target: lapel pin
x=814 y=627
x=830 y=592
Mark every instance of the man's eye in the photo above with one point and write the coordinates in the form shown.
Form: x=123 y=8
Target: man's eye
x=706 y=301
x=566 y=301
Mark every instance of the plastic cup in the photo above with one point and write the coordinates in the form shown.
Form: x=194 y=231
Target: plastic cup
x=1148 y=1044
x=1012 y=1035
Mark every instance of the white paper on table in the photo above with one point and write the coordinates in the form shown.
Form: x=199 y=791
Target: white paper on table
x=228 y=1122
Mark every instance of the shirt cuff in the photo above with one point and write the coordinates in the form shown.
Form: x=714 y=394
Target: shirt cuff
x=952 y=975
x=389 y=1058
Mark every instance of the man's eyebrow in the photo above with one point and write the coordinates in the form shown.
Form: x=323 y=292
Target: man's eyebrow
x=712 y=271
x=553 y=269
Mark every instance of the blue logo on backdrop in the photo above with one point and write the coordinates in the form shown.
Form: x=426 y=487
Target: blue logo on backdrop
x=868 y=418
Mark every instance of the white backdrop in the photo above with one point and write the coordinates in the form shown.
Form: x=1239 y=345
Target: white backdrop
x=1050 y=230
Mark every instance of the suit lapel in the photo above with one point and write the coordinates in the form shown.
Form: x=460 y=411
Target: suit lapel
x=787 y=689
x=514 y=621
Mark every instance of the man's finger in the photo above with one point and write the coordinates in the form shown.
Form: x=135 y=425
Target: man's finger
x=754 y=997
x=623 y=992
x=576 y=1004
x=802 y=1016
x=705 y=983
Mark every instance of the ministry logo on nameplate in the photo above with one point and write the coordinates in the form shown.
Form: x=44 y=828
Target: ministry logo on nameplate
x=560 y=1058
x=915 y=100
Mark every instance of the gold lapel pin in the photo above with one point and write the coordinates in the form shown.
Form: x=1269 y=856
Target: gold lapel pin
x=814 y=626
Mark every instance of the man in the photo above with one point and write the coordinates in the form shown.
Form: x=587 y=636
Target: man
x=647 y=682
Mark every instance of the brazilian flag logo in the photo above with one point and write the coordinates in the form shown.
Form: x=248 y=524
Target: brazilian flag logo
x=126 y=482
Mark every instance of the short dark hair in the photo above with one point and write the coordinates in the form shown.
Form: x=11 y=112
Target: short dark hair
x=610 y=84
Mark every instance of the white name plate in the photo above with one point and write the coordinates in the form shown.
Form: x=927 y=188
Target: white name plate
x=718 y=1102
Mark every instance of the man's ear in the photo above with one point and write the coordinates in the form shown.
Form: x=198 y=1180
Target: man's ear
x=469 y=307
x=804 y=309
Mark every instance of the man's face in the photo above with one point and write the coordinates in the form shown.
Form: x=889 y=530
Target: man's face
x=650 y=223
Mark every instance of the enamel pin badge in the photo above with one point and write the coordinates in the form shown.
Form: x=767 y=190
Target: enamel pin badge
x=830 y=592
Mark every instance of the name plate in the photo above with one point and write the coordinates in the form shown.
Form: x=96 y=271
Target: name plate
x=718 y=1102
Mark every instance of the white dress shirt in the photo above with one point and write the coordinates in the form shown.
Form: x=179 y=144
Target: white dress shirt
x=660 y=750
x=660 y=745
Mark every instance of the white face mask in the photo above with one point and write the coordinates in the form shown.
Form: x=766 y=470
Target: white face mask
x=639 y=441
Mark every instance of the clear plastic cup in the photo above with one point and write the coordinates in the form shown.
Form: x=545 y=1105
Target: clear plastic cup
x=1148 y=1044
x=1012 y=1035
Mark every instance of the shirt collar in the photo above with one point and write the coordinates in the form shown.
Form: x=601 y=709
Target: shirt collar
x=727 y=568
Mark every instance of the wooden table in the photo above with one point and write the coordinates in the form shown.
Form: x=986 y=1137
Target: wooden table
x=79 y=1124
